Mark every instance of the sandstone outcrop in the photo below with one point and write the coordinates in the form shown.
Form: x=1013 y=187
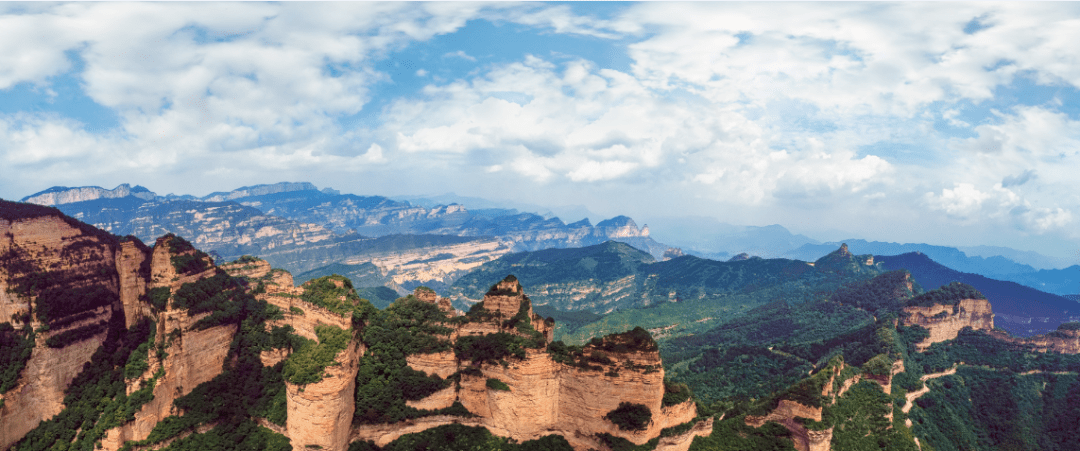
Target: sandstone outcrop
x=74 y=258
x=64 y=195
x=544 y=397
x=944 y=322
x=321 y=413
x=1064 y=340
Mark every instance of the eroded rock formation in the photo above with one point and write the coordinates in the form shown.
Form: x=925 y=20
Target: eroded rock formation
x=544 y=396
x=944 y=322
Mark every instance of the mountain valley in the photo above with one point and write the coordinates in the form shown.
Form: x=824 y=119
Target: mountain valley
x=113 y=344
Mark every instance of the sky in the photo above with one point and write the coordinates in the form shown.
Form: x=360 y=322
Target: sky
x=933 y=122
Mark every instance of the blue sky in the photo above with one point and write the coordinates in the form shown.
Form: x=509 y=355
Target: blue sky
x=944 y=123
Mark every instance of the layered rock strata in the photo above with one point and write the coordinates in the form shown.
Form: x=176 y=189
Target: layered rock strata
x=544 y=397
x=71 y=256
x=944 y=322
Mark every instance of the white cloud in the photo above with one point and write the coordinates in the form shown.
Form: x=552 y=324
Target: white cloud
x=962 y=201
x=459 y=54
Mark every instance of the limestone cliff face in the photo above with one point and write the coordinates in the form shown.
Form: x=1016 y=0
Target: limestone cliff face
x=194 y=357
x=65 y=195
x=802 y=438
x=320 y=414
x=73 y=259
x=944 y=322
x=132 y=267
x=1063 y=340
x=39 y=393
x=544 y=397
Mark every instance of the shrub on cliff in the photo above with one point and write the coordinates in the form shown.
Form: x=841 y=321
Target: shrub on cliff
x=630 y=417
x=675 y=393
x=480 y=349
x=456 y=437
x=384 y=380
x=335 y=293
x=15 y=349
x=496 y=384
x=636 y=340
x=306 y=364
x=950 y=294
x=186 y=258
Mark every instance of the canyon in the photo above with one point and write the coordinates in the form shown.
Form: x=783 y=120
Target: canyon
x=544 y=397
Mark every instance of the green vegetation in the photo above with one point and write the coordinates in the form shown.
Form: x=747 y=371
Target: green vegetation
x=732 y=434
x=138 y=361
x=296 y=310
x=479 y=349
x=950 y=294
x=887 y=292
x=186 y=259
x=496 y=384
x=157 y=297
x=240 y=436
x=222 y=295
x=456 y=437
x=630 y=416
x=384 y=381
x=335 y=293
x=307 y=362
x=859 y=421
x=15 y=349
x=605 y=262
x=244 y=389
x=986 y=409
x=95 y=400
x=576 y=356
x=675 y=393
x=77 y=334
x=979 y=348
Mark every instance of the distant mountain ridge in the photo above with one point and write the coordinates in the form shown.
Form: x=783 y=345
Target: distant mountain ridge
x=1021 y=310
x=296 y=226
x=1056 y=281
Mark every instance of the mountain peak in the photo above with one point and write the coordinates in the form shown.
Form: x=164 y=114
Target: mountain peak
x=260 y=190
x=59 y=195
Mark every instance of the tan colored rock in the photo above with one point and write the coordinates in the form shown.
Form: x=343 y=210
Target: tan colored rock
x=439 y=400
x=1062 y=341
x=442 y=364
x=944 y=322
x=39 y=393
x=49 y=243
x=129 y=261
x=193 y=357
x=321 y=413
x=254 y=269
x=683 y=441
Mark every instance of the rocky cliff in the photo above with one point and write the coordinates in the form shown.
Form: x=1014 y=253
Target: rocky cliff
x=944 y=321
x=1064 y=340
x=60 y=278
x=541 y=393
x=58 y=195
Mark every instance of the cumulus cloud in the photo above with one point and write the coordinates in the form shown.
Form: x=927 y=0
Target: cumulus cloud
x=756 y=105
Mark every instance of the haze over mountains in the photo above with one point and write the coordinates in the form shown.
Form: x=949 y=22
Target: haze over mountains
x=682 y=353
x=281 y=221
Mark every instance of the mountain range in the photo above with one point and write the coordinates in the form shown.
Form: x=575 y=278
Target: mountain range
x=112 y=344
x=301 y=228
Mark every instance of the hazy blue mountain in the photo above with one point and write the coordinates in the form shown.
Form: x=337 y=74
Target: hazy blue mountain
x=1061 y=281
x=711 y=238
x=1033 y=259
x=1019 y=309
